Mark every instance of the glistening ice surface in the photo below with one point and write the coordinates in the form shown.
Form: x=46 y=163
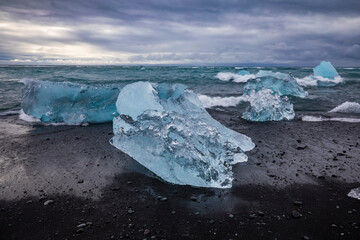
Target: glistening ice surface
x=62 y=102
x=165 y=128
x=267 y=106
x=280 y=83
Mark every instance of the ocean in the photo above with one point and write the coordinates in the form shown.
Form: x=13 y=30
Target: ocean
x=213 y=84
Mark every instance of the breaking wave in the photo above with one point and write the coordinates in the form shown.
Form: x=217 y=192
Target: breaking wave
x=310 y=81
x=227 y=76
x=209 y=102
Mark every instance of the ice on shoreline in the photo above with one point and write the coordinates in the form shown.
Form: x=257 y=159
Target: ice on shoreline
x=280 y=83
x=63 y=102
x=267 y=106
x=347 y=107
x=355 y=193
x=173 y=136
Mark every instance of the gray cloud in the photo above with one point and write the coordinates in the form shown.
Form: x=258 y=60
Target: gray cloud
x=151 y=31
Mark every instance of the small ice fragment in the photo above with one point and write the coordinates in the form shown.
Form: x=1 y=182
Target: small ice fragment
x=347 y=107
x=265 y=106
x=355 y=193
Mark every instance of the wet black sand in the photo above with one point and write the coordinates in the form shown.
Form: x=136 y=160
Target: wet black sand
x=294 y=186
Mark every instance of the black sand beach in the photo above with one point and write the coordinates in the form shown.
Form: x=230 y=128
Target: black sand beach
x=68 y=182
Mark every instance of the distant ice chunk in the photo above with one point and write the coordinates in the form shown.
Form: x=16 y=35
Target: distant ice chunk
x=280 y=83
x=347 y=107
x=267 y=106
x=325 y=70
x=63 y=102
x=175 y=137
x=325 y=75
x=354 y=193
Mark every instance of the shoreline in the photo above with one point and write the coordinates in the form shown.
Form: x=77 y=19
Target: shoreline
x=291 y=172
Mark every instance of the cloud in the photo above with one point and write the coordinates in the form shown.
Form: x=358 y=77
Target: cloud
x=193 y=32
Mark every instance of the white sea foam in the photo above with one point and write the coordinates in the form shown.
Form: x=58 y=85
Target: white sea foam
x=209 y=102
x=9 y=113
x=227 y=76
x=314 y=80
x=347 y=107
x=321 y=119
x=27 y=118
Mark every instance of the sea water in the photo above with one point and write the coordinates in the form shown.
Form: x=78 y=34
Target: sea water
x=214 y=92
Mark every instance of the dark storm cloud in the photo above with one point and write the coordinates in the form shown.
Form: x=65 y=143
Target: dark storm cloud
x=153 y=31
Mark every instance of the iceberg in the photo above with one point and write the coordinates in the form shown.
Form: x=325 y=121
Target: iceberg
x=325 y=70
x=267 y=106
x=64 y=102
x=165 y=128
x=280 y=83
x=324 y=75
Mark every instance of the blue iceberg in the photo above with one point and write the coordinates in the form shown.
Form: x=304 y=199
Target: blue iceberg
x=63 y=102
x=165 y=128
x=267 y=106
x=280 y=83
x=325 y=70
x=325 y=75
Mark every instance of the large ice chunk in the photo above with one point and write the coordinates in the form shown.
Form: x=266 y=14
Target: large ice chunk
x=325 y=75
x=279 y=83
x=70 y=103
x=267 y=106
x=175 y=137
x=325 y=70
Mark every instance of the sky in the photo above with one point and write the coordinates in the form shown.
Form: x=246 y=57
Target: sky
x=194 y=32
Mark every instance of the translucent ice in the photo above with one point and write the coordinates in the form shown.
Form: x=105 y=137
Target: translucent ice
x=325 y=75
x=265 y=106
x=325 y=70
x=279 y=83
x=62 y=102
x=173 y=136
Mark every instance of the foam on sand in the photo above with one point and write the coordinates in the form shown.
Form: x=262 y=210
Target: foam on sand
x=322 y=119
